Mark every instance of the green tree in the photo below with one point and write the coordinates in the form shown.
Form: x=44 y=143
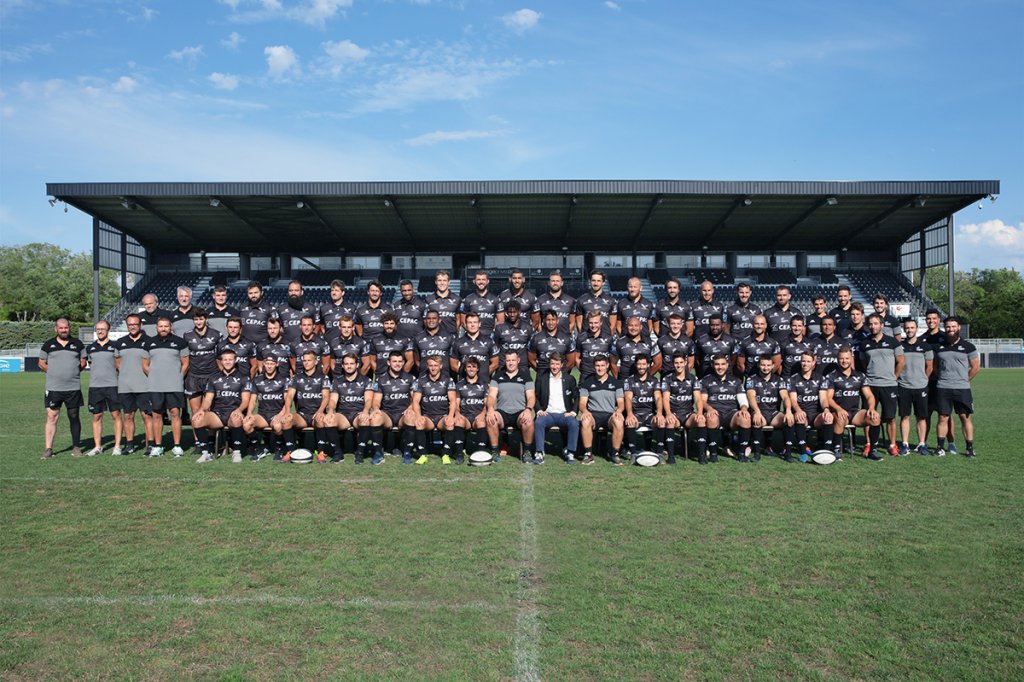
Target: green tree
x=44 y=281
x=988 y=299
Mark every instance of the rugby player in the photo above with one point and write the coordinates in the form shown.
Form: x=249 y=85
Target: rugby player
x=758 y=345
x=310 y=340
x=392 y=400
x=672 y=304
x=602 y=404
x=682 y=406
x=517 y=291
x=847 y=391
x=510 y=401
x=890 y=325
x=292 y=312
x=348 y=342
x=225 y=400
x=957 y=363
x=333 y=310
x=103 y=387
x=474 y=344
x=410 y=309
x=641 y=398
x=934 y=337
x=808 y=398
x=379 y=348
x=445 y=303
x=436 y=402
x=814 y=321
x=739 y=317
x=132 y=383
x=350 y=407
x=62 y=358
x=635 y=304
x=912 y=387
x=843 y=302
x=482 y=302
x=712 y=343
x=549 y=341
x=768 y=397
x=514 y=332
x=255 y=314
x=203 y=343
x=794 y=345
x=725 y=406
x=854 y=329
x=634 y=343
x=368 y=317
x=595 y=341
x=558 y=400
x=166 y=365
x=827 y=344
x=245 y=350
x=597 y=299
x=310 y=392
x=674 y=340
x=273 y=343
x=557 y=300
x=181 y=317
x=473 y=403
x=781 y=314
x=702 y=310
x=883 y=359
x=433 y=340
x=218 y=315
x=268 y=393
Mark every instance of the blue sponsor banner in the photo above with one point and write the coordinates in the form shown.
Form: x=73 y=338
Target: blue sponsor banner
x=12 y=364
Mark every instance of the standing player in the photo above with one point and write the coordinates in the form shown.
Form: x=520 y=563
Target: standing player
x=808 y=397
x=794 y=346
x=854 y=328
x=474 y=344
x=334 y=309
x=392 y=401
x=912 y=387
x=890 y=325
x=482 y=302
x=518 y=292
x=245 y=350
x=268 y=393
x=758 y=345
x=369 y=315
x=702 y=310
x=410 y=309
x=672 y=304
x=181 y=317
x=768 y=397
x=548 y=341
x=674 y=340
x=433 y=340
x=62 y=358
x=348 y=342
x=436 y=402
x=635 y=304
x=957 y=361
x=847 y=391
x=274 y=344
x=255 y=314
x=827 y=344
x=682 y=407
x=594 y=342
x=103 y=387
x=602 y=404
x=641 y=397
x=310 y=340
x=310 y=391
x=725 y=407
x=132 y=382
x=814 y=321
x=713 y=343
x=635 y=343
x=934 y=337
x=597 y=299
x=510 y=401
x=203 y=344
x=351 y=407
x=557 y=300
x=781 y=314
x=739 y=317
x=218 y=315
x=166 y=366
x=883 y=359
x=445 y=303
x=292 y=312
x=225 y=401
x=379 y=348
x=150 y=313
x=844 y=300
x=514 y=332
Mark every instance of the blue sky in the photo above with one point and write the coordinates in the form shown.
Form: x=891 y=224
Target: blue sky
x=130 y=90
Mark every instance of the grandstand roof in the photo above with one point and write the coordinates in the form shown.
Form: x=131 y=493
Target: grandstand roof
x=523 y=215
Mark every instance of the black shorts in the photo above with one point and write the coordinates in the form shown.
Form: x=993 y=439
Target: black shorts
x=509 y=418
x=683 y=416
x=167 y=401
x=725 y=416
x=885 y=401
x=933 y=398
x=195 y=385
x=768 y=415
x=223 y=415
x=135 y=402
x=394 y=416
x=955 y=401
x=104 y=399
x=435 y=418
x=644 y=419
x=601 y=419
x=69 y=399
x=308 y=414
x=913 y=399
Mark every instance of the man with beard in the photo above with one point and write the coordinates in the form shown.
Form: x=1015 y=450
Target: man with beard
x=682 y=407
x=794 y=345
x=641 y=397
x=351 y=407
x=883 y=359
x=768 y=397
x=725 y=407
x=268 y=392
x=854 y=330
x=392 y=400
x=549 y=341
x=702 y=309
x=103 y=387
x=601 y=407
x=634 y=343
x=473 y=403
x=255 y=314
x=513 y=333
x=274 y=344
x=827 y=344
x=181 y=317
x=218 y=315
x=713 y=343
x=309 y=340
x=379 y=348
x=912 y=389
x=518 y=292
x=671 y=304
x=597 y=299
x=410 y=309
x=957 y=363
x=245 y=350
x=673 y=341
x=813 y=321
x=594 y=342
x=847 y=391
x=474 y=344
x=446 y=304
x=333 y=310
x=132 y=382
x=781 y=314
x=62 y=358
x=756 y=346
x=739 y=317
x=225 y=400
x=435 y=400
x=150 y=313
x=557 y=300
x=292 y=312
x=842 y=310
x=203 y=343
x=808 y=397
x=482 y=302
x=635 y=305
x=510 y=401
x=166 y=366
x=433 y=340
x=368 y=317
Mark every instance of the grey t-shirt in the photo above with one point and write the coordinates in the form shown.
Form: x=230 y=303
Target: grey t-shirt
x=131 y=352
x=953 y=363
x=165 y=355
x=880 y=360
x=511 y=390
x=63 y=364
x=601 y=396
x=915 y=355
x=102 y=372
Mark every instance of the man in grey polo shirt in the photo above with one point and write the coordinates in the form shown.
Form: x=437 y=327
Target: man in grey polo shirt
x=166 y=367
x=103 y=387
x=883 y=360
x=510 y=401
x=63 y=359
x=957 y=361
x=132 y=383
x=913 y=387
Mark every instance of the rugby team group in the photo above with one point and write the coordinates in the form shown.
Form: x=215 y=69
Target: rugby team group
x=444 y=375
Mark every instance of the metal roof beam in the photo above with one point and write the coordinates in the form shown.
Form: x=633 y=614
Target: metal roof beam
x=323 y=221
x=655 y=203
x=799 y=221
x=901 y=203
x=569 y=221
x=740 y=201
x=390 y=202
x=474 y=203
x=226 y=205
x=148 y=207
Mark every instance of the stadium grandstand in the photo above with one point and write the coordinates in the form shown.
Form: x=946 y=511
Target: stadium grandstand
x=873 y=236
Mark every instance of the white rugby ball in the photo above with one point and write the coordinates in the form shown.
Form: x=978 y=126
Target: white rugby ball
x=647 y=459
x=823 y=457
x=302 y=456
x=480 y=458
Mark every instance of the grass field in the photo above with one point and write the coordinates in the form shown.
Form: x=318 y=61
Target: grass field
x=127 y=568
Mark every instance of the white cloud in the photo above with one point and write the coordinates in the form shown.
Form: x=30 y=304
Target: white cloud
x=612 y=5
x=521 y=20
x=23 y=53
x=410 y=85
x=990 y=244
x=125 y=85
x=187 y=54
x=233 y=4
x=223 y=81
x=317 y=12
x=281 y=60
x=312 y=12
x=454 y=136
x=342 y=53
x=233 y=41
x=148 y=13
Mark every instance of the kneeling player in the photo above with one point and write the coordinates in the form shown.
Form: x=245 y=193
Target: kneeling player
x=725 y=406
x=350 y=408
x=682 y=407
x=309 y=392
x=641 y=396
x=602 y=405
x=847 y=389
x=435 y=399
x=268 y=392
x=392 y=404
x=225 y=400
x=808 y=395
x=472 y=412
x=769 y=403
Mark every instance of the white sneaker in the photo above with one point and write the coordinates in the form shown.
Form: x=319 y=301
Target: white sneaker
x=156 y=452
x=205 y=457
x=177 y=451
x=94 y=452
x=236 y=456
x=116 y=452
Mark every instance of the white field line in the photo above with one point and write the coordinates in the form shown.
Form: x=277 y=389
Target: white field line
x=117 y=478
x=527 y=638
x=244 y=600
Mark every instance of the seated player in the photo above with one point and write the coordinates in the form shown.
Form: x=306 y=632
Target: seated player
x=681 y=404
x=641 y=398
x=225 y=400
x=602 y=404
x=847 y=391
x=725 y=406
x=435 y=400
x=268 y=389
x=808 y=396
x=510 y=401
x=350 y=407
x=309 y=392
x=558 y=400
x=768 y=396
x=472 y=412
x=392 y=403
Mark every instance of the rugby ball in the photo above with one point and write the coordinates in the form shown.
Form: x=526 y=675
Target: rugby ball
x=301 y=456
x=823 y=457
x=480 y=458
x=647 y=459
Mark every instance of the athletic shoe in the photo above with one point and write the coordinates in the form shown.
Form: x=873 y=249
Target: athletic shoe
x=359 y=458
x=286 y=457
x=894 y=450
x=378 y=458
x=538 y=458
x=952 y=448
x=970 y=452
x=129 y=449
x=236 y=456
x=177 y=451
x=922 y=449
x=713 y=458
x=445 y=459
x=156 y=451
x=904 y=449
x=460 y=459
x=940 y=453
x=422 y=459
x=570 y=458
x=204 y=458
x=321 y=457
x=616 y=460
x=337 y=458
x=260 y=455
x=728 y=451
x=867 y=450
x=77 y=452
x=702 y=459
x=116 y=452
x=406 y=458
x=278 y=457
x=94 y=451
x=874 y=456
x=47 y=454
x=588 y=459
x=756 y=458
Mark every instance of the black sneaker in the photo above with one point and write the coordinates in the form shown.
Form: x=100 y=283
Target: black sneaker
x=616 y=460
x=278 y=457
x=671 y=459
x=129 y=449
x=756 y=458
x=970 y=453
x=460 y=459
x=874 y=456
x=588 y=458
x=340 y=457
x=360 y=458
x=702 y=459
x=713 y=458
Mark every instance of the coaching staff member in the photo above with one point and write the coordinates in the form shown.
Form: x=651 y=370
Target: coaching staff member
x=63 y=359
